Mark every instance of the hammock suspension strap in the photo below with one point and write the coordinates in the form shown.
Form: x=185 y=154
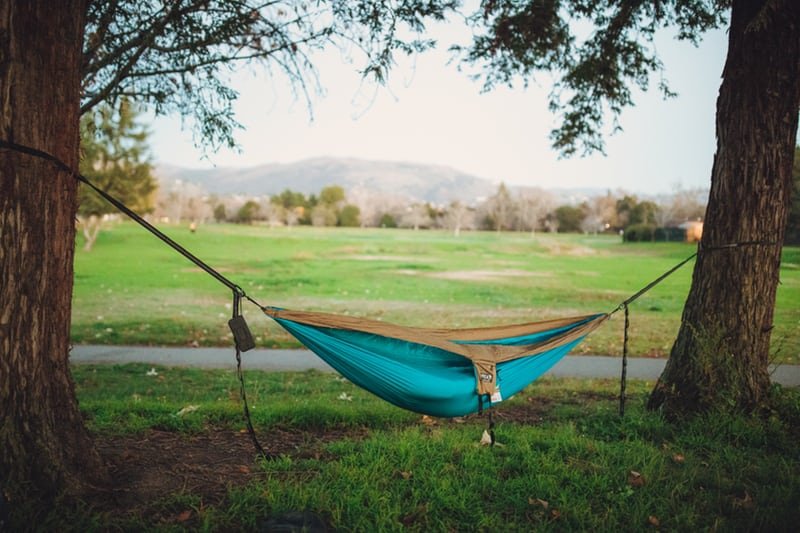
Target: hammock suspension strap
x=243 y=341
x=623 y=377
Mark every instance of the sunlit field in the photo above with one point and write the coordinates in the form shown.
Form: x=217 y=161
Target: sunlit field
x=132 y=289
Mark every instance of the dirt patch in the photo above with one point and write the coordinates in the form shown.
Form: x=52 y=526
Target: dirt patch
x=403 y=258
x=483 y=275
x=158 y=464
x=533 y=411
x=539 y=409
x=558 y=248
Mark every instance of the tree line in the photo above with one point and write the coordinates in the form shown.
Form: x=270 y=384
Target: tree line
x=526 y=209
x=115 y=155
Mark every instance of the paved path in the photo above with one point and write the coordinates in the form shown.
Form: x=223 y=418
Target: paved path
x=281 y=360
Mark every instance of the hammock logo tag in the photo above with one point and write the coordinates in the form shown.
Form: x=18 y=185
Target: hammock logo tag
x=486 y=377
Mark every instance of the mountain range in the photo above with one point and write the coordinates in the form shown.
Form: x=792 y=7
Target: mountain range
x=430 y=183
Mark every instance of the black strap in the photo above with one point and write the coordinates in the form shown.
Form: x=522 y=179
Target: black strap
x=623 y=377
x=491 y=427
x=237 y=312
x=659 y=279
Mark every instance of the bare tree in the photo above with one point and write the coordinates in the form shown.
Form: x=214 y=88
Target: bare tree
x=532 y=206
x=457 y=216
x=415 y=216
x=601 y=212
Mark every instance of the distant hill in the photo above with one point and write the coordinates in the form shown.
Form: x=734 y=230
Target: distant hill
x=431 y=183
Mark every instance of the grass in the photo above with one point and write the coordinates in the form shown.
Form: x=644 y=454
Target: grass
x=567 y=460
x=131 y=289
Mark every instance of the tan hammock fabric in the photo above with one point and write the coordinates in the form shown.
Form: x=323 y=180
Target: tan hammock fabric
x=484 y=356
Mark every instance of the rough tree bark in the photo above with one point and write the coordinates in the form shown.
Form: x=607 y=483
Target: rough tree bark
x=44 y=446
x=721 y=354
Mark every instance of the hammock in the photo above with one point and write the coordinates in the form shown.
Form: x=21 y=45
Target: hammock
x=438 y=372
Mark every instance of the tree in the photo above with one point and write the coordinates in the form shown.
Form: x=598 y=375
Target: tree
x=457 y=216
x=248 y=212
x=721 y=352
x=44 y=446
x=63 y=59
x=323 y=215
x=416 y=216
x=569 y=218
x=533 y=205
x=332 y=195
x=601 y=214
x=349 y=216
x=500 y=208
x=115 y=158
x=681 y=206
x=793 y=224
x=630 y=211
x=219 y=212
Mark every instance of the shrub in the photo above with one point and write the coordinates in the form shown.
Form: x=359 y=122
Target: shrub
x=640 y=233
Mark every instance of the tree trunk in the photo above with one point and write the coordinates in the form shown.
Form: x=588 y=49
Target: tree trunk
x=44 y=446
x=721 y=354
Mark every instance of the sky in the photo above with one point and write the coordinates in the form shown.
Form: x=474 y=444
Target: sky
x=432 y=113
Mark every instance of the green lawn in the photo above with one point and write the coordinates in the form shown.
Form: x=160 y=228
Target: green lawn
x=567 y=461
x=132 y=289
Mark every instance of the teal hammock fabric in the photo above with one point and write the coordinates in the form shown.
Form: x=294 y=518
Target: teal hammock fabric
x=427 y=379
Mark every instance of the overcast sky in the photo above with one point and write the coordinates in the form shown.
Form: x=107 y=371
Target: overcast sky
x=432 y=113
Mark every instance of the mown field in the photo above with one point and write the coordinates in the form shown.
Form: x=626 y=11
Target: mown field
x=132 y=289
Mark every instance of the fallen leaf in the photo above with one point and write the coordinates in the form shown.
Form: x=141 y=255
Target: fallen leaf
x=635 y=479
x=428 y=421
x=544 y=504
x=486 y=439
x=678 y=458
x=244 y=469
x=151 y=372
x=555 y=514
x=186 y=410
x=406 y=475
x=184 y=516
x=345 y=397
x=745 y=502
x=653 y=521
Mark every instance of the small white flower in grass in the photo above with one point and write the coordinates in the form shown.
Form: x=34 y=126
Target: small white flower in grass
x=151 y=372
x=109 y=330
x=346 y=397
x=99 y=317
